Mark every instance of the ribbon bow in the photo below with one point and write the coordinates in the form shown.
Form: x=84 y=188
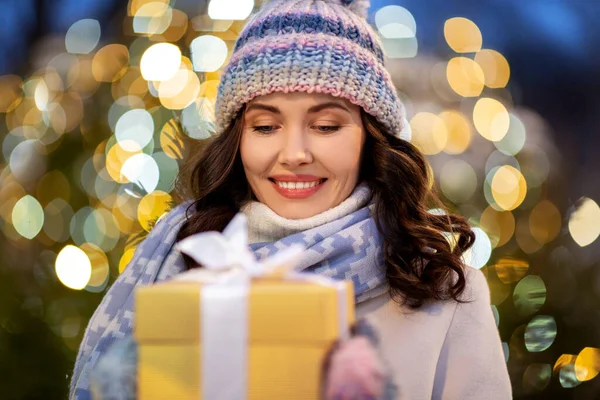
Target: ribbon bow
x=229 y=252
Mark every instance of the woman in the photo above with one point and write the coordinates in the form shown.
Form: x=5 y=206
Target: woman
x=310 y=148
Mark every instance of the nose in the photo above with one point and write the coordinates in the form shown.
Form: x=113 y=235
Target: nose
x=294 y=148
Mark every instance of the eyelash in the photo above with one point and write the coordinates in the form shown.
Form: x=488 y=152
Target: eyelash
x=330 y=129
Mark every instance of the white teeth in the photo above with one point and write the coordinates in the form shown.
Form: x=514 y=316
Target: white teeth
x=297 y=185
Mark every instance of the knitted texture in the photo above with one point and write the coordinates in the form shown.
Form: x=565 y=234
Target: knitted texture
x=349 y=247
x=322 y=46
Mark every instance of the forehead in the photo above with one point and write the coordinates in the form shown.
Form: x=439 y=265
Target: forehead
x=300 y=99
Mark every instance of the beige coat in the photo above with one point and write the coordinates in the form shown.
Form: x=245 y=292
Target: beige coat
x=446 y=351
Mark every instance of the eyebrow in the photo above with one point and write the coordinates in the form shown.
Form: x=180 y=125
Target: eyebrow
x=313 y=109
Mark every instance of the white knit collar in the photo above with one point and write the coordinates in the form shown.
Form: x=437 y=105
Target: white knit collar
x=264 y=225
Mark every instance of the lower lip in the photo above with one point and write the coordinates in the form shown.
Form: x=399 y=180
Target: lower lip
x=297 y=193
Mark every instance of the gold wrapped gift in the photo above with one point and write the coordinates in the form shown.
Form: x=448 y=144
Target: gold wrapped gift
x=290 y=325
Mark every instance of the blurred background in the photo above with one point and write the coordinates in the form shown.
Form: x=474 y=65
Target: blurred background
x=97 y=95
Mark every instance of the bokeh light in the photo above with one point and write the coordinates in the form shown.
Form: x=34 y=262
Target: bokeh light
x=511 y=270
x=491 y=119
x=545 y=222
x=494 y=67
x=208 y=53
x=508 y=187
x=429 y=133
x=462 y=35
x=28 y=217
x=529 y=295
x=152 y=18
x=587 y=364
x=540 y=333
x=479 y=254
x=499 y=225
x=459 y=132
x=134 y=129
x=73 y=267
x=398 y=31
x=584 y=222
x=83 y=36
x=152 y=206
x=458 y=181
x=160 y=62
x=230 y=10
x=465 y=76
x=536 y=377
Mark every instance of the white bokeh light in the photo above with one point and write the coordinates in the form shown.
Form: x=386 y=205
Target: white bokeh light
x=479 y=254
x=134 y=129
x=208 y=53
x=160 y=62
x=142 y=171
x=230 y=9
x=83 y=36
x=73 y=267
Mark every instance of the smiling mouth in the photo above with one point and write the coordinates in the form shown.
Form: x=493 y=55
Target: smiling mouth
x=298 y=185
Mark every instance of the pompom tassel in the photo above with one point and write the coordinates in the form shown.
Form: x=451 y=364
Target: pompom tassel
x=359 y=7
x=354 y=370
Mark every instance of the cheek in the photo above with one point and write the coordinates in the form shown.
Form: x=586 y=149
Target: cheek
x=255 y=155
x=341 y=156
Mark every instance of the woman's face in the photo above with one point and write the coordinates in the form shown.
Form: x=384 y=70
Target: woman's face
x=301 y=151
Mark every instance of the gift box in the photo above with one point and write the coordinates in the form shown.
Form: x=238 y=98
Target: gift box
x=291 y=326
x=238 y=336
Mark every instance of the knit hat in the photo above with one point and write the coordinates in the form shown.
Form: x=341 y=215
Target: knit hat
x=323 y=46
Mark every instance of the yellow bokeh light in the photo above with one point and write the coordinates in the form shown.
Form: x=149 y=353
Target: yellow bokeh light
x=508 y=187
x=110 y=63
x=134 y=5
x=182 y=89
x=459 y=132
x=53 y=185
x=176 y=29
x=587 y=364
x=511 y=270
x=429 y=133
x=584 y=223
x=160 y=62
x=563 y=360
x=526 y=241
x=152 y=18
x=151 y=207
x=116 y=158
x=462 y=35
x=126 y=258
x=73 y=267
x=99 y=264
x=545 y=222
x=494 y=67
x=170 y=140
x=12 y=92
x=465 y=76
x=28 y=217
x=499 y=225
x=131 y=84
x=491 y=119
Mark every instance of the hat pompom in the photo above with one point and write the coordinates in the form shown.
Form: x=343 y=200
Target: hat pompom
x=360 y=7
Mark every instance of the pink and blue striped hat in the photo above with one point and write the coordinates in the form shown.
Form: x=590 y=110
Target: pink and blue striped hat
x=323 y=46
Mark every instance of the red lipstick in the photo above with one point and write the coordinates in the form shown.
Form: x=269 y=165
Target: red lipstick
x=293 y=193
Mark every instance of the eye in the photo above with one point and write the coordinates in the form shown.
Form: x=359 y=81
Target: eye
x=326 y=129
x=264 y=129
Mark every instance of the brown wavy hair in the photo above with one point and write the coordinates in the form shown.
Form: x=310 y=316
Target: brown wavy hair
x=421 y=263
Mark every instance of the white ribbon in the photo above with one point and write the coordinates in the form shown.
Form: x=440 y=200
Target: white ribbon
x=229 y=267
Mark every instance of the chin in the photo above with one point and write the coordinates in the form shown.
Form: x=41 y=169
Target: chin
x=297 y=210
